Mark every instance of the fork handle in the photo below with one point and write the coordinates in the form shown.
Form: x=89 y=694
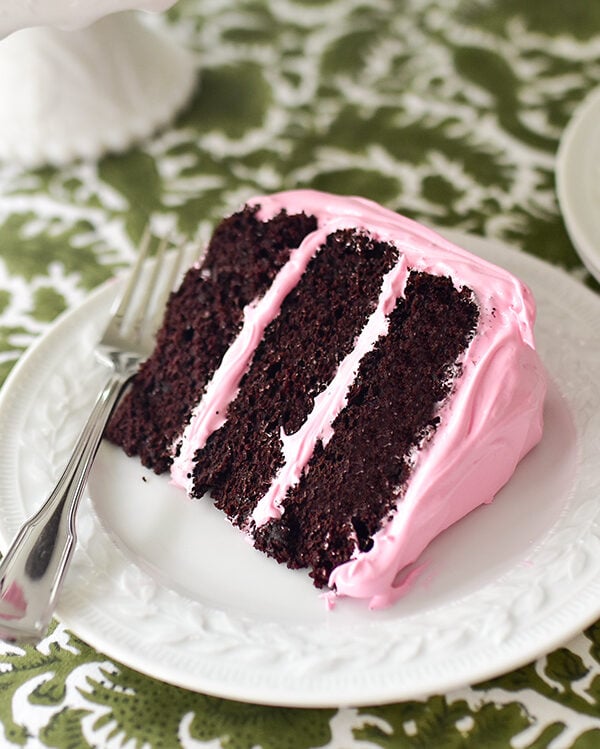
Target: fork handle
x=33 y=568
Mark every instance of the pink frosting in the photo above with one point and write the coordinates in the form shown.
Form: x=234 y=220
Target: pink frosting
x=492 y=420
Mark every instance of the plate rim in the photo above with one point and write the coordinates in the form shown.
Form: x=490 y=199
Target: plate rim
x=566 y=159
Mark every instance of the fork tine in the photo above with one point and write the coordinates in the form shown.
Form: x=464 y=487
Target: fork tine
x=145 y=302
x=134 y=278
x=167 y=288
x=159 y=261
x=142 y=305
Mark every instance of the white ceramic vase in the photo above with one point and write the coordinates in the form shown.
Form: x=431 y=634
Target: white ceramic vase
x=69 y=94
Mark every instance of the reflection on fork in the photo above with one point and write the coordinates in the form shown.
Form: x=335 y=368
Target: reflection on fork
x=34 y=567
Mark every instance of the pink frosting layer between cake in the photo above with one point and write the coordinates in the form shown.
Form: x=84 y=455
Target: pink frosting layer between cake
x=299 y=447
x=492 y=420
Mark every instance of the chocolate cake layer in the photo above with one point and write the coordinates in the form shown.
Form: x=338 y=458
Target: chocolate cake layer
x=351 y=485
x=201 y=320
x=300 y=352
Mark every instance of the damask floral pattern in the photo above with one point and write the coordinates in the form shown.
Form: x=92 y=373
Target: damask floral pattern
x=447 y=110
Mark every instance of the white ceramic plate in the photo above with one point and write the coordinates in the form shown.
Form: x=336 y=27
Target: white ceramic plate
x=578 y=181
x=167 y=587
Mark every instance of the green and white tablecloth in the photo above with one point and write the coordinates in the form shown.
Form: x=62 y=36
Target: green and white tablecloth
x=447 y=110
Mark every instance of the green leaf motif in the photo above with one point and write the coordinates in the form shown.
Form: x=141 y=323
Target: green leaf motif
x=129 y=703
x=132 y=701
x=587 y=740
x=64 y=731
x=48 y=304
x=28 y=249
x=134 y=176
x=133 y=709
x=5 y=297
x=10 y=348
x=557 y=683
x=244 y=726
x=231 y=99
x=579 y=18
x=26 y=666
x=565 y=667
x=444 y=724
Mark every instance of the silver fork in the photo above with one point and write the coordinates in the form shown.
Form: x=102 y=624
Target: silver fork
x=33 y=569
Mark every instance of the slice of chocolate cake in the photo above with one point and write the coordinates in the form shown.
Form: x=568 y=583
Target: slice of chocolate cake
x=343 y=382
x=203 y=318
